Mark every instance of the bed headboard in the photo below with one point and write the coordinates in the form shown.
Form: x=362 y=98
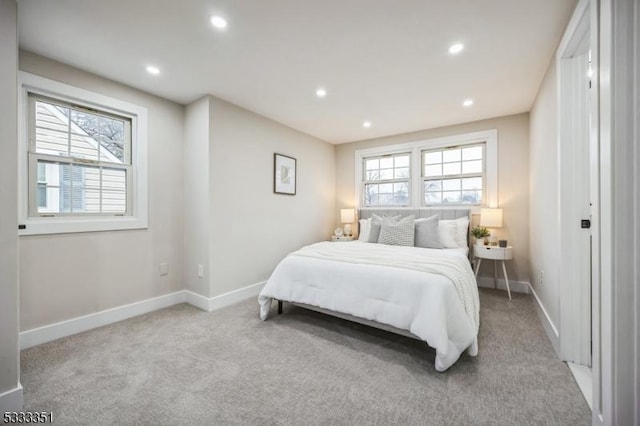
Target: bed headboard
x=444 y=214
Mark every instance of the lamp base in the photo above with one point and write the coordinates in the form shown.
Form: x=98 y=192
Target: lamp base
x=347 y=229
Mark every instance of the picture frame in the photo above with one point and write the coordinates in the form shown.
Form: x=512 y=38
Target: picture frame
x=284 y=174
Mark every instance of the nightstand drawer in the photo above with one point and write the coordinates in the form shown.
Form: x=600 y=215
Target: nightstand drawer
x=342 y=239
x=493 y=252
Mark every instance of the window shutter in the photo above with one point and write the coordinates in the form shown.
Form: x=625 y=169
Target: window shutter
x=72 y=188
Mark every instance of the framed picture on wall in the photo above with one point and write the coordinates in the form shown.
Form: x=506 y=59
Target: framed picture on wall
x=284 y=174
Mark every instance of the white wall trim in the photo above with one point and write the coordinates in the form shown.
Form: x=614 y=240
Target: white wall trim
x=575 y=26
x=197 y=300
x=514 y=286
x=618 y=376
x=48 y=333
x=12 y=400
x=548 y=325
x=68 y=327
x=582 y=376
x=223 y=300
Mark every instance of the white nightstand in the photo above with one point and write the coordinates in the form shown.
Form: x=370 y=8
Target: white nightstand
x=495 y=253
x=342 y=239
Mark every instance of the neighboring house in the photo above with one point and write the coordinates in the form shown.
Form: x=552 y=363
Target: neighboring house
x=63 y=187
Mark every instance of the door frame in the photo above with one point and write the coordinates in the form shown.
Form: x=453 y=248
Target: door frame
x=616 y=374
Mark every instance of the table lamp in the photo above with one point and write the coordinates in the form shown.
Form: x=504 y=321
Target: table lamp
x=491 y=218
x=347 y=216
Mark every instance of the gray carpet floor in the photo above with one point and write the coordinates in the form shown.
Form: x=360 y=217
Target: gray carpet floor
x=181 y=365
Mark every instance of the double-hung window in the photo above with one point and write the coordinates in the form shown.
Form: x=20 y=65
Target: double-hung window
x=83 y=161
x=386 y=180
x=459 y=170
x=453 y=175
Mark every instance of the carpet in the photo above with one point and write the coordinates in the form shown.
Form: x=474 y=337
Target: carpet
x=181 y=365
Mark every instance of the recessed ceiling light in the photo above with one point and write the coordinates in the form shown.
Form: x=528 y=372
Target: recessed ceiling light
x=321 y=93
x=456 y=48
x=467 y=102
x=153 y=70
x=219 y=22
x=366 y=124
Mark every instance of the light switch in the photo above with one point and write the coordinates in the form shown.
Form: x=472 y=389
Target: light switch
x=200 y=271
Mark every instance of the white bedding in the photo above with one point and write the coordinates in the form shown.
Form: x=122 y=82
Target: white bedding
x=431 y=293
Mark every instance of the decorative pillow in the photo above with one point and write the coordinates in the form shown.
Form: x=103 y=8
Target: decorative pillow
x=365 y=230
x=427 y=234
x=453 y=233
x=398 y=232
x=448 y=231
x=376 y=223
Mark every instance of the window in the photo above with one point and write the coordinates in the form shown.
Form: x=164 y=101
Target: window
x=82 y=159
x=84 y=162
x=386 y=180
x=453 y=175
x=460 y=170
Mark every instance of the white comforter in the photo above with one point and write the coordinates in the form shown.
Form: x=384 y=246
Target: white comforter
x=431 y=293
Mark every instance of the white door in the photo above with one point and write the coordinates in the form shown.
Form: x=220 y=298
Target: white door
x=575 y=203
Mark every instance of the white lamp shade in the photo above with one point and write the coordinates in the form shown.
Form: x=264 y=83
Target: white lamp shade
x=491 y=218
x=347 y=215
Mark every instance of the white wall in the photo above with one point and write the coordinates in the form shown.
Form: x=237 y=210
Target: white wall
x=211 y=203
x=69 y=275
x=513 y=179
x=10 y=396
x=235 y=226
x=543 y=197
x=252 y=228
x=196 y=195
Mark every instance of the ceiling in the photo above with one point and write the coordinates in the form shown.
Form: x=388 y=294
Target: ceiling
x=381 y=61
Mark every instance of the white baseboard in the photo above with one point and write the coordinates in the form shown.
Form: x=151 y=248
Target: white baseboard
x=515 y=286
x=197 y=300
x=66 y=328
x=61 y=329
x=11 y=400
x=584 y=379
x=223 y=300
x=547 y=324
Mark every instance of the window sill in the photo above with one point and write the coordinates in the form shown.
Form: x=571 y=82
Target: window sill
x=66 y=225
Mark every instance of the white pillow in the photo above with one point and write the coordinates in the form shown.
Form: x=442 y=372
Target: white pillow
x=463 y=231
x=454 y=232
x=365 y=230
x=448 y=231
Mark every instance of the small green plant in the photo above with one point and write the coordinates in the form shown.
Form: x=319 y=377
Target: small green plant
x=480 y=232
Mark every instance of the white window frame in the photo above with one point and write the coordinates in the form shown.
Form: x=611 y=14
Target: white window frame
x=137 y=215
x=489 y=137
x=482 y=174
x=382 y=181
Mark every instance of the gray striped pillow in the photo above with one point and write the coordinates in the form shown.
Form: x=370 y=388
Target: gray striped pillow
x=398 y=232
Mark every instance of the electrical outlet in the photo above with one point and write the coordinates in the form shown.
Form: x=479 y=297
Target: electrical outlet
x=200 y=270
x=541 y=277
x=164 y=268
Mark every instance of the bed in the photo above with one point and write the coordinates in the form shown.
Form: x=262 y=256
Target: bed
x=424 y=293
